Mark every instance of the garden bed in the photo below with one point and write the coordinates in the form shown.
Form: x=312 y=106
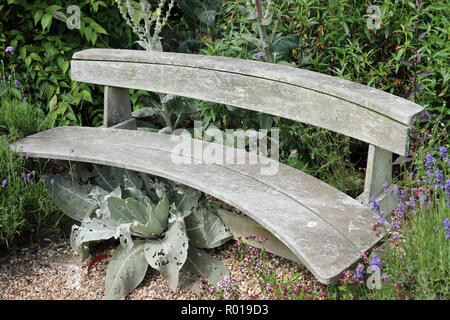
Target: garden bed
x=50 y=271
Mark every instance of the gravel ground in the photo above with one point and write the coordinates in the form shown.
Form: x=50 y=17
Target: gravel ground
x=52 y=271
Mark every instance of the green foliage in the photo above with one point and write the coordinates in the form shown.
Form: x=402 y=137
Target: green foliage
x=25 y=206
x=43 y=46
x=167 y=219
x=19 y=119
x=26 y=209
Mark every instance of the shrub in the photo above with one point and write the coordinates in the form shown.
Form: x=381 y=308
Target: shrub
x=26 y=208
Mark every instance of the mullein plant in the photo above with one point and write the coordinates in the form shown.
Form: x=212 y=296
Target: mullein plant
x=149 y=39
x=153 y=21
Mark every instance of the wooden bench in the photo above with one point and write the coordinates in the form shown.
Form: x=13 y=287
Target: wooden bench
x=316 y=224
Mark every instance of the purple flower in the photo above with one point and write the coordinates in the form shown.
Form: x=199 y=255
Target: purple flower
x=385 y=277
x=359 y=272
x=447 y=188
x=439 y=174
x=176 y=41
x=385 y=185
x=401 y=209
x=375 y=262
x=375 y=205
x=446 y=228
x=394 y=225
x=4 y=183
x=259 y=55
x=25 y=99
x=16 y=82
x=52 y=181
x=429 y=161
x=443 y=152
x=9 y=49
x=383 y=219
x=58 y=15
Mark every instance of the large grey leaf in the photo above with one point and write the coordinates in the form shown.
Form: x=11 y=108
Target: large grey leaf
x=167 y=255
x=90 y=230
x=108 y=178
x=128 y=210
x=99 y=229
x=102 y=199
x=72 y=198
x=125 y=271
x=205 y=229
x=200 y=264
x=185 y=199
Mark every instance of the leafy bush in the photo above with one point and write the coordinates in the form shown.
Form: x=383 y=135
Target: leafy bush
x=43 y=47
x=26 y=209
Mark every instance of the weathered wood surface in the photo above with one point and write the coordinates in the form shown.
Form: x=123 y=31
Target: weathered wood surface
x=242 y=227
x=379 y=173
x=326 y=229
x=117 y=106
x=355 y=110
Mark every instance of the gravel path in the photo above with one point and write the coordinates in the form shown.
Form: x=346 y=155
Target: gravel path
x=51 y=271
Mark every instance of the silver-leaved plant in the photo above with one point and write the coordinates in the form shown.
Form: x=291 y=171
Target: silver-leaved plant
x=158 y=222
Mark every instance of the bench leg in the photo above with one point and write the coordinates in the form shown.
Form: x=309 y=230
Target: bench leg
x=378 y=172
x=117 y=113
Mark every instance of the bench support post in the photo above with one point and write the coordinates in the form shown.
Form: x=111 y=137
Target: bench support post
x=378 y=172
x=117 y=113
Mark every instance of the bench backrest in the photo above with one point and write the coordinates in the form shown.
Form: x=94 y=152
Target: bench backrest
x=373 y=116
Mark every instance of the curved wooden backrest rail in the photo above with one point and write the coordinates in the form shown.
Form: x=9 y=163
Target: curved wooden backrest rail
x=355 y=110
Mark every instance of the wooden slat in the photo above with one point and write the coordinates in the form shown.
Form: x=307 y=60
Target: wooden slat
x=323 y=227
x=117 y=106
x=342 y=106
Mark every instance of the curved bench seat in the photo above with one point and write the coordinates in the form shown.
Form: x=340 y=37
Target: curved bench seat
x=326 y=229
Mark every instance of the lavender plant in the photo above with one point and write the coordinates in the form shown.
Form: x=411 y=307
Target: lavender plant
x=413 y=262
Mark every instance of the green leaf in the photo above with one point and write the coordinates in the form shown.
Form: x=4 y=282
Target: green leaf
x=37 y=16
x=71 y=197
x=167 y=255
x=125 y=271
x=143 y=113
x=86 y=95
x=201 y=265
x=35 y=56
x=46 y=21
